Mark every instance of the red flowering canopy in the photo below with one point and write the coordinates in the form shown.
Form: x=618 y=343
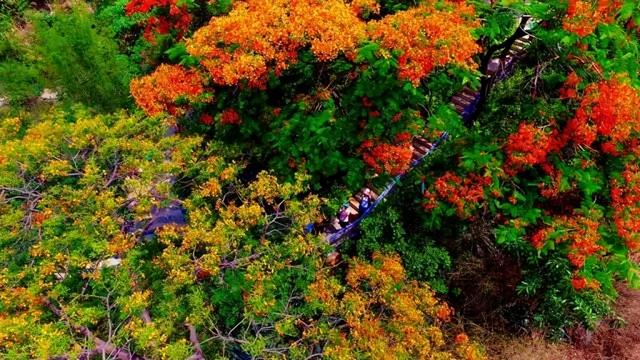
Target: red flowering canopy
x=608 y=109
x=584 y=16
x=178 y=17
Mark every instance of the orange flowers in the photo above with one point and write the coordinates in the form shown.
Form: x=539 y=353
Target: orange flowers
x=258 y=35
x=160 y=90
x=464 y=194
x=428 y=38
x=528 y=146
x=625 y=201
x=461 y=339
x=609 y=109
x=583 y=17
x=388 y=158
x=365 y=7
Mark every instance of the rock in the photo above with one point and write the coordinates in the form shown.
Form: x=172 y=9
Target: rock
x=109 y=263
x=49 y=95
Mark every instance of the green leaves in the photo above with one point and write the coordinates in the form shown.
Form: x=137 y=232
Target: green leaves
x=178 y=53
x=446 y=119
x=368 y=53
x=509 y=235
x=84 y=63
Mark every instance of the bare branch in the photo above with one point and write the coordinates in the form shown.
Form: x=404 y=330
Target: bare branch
x=114 y=172
x=193 y=338
x=146 y=317
x=235 y=263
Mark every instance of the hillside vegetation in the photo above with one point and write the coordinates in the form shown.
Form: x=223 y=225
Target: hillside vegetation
x=341 y=179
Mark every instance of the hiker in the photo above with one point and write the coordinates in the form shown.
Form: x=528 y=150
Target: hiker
x=365 y=201
x=343 y=215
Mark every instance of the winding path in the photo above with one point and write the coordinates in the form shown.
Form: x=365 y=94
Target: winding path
x=466 y=103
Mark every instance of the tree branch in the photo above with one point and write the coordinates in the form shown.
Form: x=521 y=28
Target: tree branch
x=235 y=263
x=114 y=172
x=101 y=345
x=193 y=338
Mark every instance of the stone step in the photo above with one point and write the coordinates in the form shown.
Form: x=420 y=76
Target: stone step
x=353 y=204
x=421 y=149
x=422 y=141
x=456 y=100
x=468 y=94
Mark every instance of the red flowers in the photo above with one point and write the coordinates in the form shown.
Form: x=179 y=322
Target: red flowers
x=580 y=232
x=539 y=238
x=526 y=147
x=227 y=117
x=609 y=109
x=568 y=90
x=578 y=282
x=230 y=117
x=206 y=119
x=464 y=194
x=403 y=137
x=178 y=18
x=387 y=158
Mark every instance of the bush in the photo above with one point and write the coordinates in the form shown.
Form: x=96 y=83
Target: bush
x=82 y=62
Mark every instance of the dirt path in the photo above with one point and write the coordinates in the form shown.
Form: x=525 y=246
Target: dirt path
x=610 y=341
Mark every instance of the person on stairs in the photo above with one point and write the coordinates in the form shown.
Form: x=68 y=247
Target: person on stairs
x=365 y=201
x=343 y=215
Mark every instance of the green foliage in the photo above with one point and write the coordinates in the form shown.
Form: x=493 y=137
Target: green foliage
x=22 y=77
x=26 y=81
x=498 y=25
x=13 y=8
x=389 y=229
x=82 y=62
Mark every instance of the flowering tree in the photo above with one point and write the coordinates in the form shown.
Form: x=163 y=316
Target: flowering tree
x=384 y=314
x=551 y=178
x=79 y=278
x=313 y=80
